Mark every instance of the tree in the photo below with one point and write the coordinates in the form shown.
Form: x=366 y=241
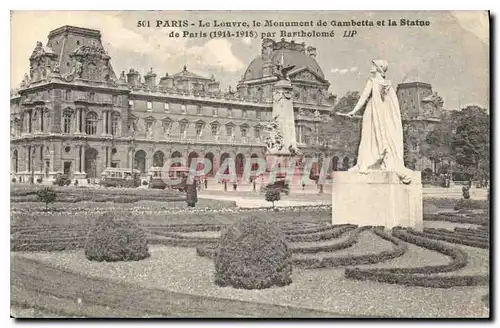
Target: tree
x=471 y=143
x=437 y=142
x=47 y=195
x=273 y=195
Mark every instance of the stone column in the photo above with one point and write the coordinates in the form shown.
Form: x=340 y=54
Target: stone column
x=26 y=158
x=82 y=159
x=283 y=109
x=104 y=121
x=131 y=159
x=110 y=121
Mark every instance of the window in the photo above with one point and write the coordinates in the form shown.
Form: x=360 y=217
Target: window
x=244 y=113
x=92 y=97
x=198 y=110
x=215 y=129
x=214 y=111
x=243 y=130
x=182 y=128
x=114 y=123
x=131 y=103
x=229 y=130
x=307 y=139
x=91 y=123
x=257 y=114
x=257 y=132
x=67 y=95
x=67 y=121
x=92 y=72
x=149 y=128
x=199 y=129
x=149 y=105
x=166 y=107
x=166 y=128
x=115 y=100
x=183 y=109
x=229 y=113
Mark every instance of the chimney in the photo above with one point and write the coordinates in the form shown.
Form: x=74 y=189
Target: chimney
x=133 y=78
x=166 y=82
x=150 y=79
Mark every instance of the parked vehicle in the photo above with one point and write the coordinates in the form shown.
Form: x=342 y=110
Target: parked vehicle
x=281 y=184
x=120 y=177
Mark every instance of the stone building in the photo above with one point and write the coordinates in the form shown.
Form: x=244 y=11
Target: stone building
x=421 y=109
x=72 y=114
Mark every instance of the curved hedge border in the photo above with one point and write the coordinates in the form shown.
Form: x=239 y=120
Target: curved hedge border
x=399 y=249
x=452 y=239
x=419 y=276
x=330 y=233
x=472 y=232
x=351 y=240
x=466 y=235
x=456 y=219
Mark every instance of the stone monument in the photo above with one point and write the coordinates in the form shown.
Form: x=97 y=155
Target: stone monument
x=281 y=141
x=379 y=190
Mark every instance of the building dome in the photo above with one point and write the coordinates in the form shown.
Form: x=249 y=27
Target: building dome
x=290 y=53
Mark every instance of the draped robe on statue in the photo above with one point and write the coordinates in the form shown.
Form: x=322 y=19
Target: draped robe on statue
x=381 y=146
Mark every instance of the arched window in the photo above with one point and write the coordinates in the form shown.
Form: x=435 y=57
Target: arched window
x=115 y=118
x=67 y=120
x=91 y=123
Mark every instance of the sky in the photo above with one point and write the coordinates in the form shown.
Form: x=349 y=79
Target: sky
x=452 y=53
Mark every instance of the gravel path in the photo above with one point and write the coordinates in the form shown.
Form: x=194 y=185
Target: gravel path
x=181 y=270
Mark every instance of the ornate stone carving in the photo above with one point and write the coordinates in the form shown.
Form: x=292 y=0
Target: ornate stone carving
x=91 y=53
x=280 y=94
x=267 y=49
x=274 y=140
x=26 y=81
x=76 y=71
x=306 y=76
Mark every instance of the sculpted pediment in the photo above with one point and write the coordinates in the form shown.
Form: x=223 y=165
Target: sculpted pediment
x=305 y=74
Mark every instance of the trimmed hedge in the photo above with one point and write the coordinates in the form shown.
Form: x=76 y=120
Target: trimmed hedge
x=253 y=254
x=353 y=238
x=472 y=204
x=479 y=220
x=116 y=240
x=419 y=276
x=399 y=249
x=330 y=233
x=452 y=239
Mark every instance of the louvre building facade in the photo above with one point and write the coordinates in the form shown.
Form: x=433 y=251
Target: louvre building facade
x=74 y=115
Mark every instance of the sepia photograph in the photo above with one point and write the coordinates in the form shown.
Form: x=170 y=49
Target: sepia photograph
x=250 y=164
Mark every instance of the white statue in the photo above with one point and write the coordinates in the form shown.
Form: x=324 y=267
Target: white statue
x=381 y=146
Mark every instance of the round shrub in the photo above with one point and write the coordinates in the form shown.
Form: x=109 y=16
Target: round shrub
x=145 y=182
x=112 y=240
x=253 y=254
x=14 y=181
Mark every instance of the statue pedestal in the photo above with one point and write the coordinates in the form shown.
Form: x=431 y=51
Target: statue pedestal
x=377 y=199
